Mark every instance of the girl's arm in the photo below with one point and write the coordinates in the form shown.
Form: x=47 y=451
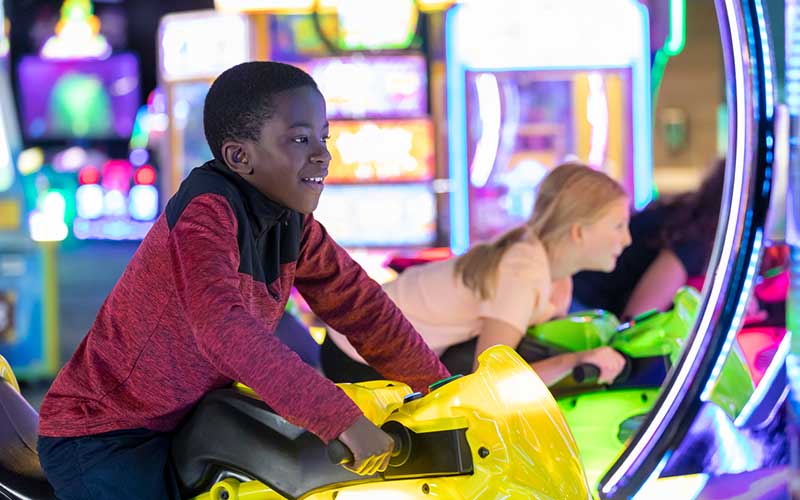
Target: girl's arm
x=550 y=370
x=494 y=332
x=657 y=286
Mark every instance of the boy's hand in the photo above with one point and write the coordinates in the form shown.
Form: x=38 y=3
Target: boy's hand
x=371 y=447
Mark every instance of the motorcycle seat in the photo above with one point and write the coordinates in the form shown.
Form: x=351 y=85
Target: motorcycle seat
x=21 y=476
x=230 y=433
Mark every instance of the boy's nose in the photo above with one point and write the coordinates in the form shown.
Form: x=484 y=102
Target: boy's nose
x=321 y=156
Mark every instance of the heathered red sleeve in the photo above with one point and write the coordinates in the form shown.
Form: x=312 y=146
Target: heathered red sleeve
x=205 y=257
x=340 y=292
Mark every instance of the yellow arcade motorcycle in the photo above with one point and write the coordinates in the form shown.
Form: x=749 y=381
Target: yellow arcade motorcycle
x=494 y=434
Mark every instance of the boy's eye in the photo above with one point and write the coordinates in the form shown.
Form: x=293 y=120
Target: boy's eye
x=301 y=140
x=325 y=138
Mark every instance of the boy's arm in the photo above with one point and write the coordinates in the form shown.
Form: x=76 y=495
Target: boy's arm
x=340 y=292
x=205 y=257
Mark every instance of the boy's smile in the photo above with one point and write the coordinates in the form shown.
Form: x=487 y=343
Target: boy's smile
x=290 y=161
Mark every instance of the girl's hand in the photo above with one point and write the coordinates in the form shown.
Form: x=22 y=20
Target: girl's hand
x=371 y=447
x=610 y=362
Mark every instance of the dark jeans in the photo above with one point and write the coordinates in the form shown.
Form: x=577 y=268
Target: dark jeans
x=129 y=464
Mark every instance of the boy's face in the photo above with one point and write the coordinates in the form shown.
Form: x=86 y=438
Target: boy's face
x=290 y=161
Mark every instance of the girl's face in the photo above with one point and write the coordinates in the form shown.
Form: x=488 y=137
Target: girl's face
x=602 y=241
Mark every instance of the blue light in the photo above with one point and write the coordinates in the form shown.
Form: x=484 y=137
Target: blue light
x=768 y=74
x=89 y=201
x=138 y=157
x=143 y=204
x=457 y=134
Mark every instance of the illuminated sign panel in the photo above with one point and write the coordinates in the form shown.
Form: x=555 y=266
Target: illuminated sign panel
x=383 y=215
x=372 y=87
x=201 y=44
x=381 y=151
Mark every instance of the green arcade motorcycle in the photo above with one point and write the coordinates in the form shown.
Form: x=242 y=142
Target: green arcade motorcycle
x=603 y=418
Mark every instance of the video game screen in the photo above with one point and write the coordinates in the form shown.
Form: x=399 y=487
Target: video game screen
x=78 y=98
x=357 y=87
x=381 y=151
x=187 y=104
x=521 y=124
x=379 y=215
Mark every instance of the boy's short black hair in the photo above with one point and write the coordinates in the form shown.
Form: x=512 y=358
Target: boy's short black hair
x=241 y=99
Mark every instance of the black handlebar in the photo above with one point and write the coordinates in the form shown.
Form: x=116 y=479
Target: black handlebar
x=340 y=454
x=587 y=372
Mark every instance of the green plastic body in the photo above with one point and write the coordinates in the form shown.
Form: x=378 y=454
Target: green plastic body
x=602 y=418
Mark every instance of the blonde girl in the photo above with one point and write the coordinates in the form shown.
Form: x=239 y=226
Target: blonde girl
x=496 y=290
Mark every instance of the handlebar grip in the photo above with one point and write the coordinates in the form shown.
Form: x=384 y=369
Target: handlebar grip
x=338 y=453
x=585 y=372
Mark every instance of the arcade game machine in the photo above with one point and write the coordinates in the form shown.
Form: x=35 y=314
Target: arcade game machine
x=379 y=193
x=367 y=60
x=193 y=48
x=524 y=93
x=28 y=244
x=78 y=105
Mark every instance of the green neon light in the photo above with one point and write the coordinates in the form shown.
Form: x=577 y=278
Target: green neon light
x=677 y=28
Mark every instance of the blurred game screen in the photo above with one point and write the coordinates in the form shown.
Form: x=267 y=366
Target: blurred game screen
x=379 y=215
x=358 y=87
x=187 y=103
x=381 y=151
x=78 y=98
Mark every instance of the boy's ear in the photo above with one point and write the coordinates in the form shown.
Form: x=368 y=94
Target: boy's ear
x=235 y=155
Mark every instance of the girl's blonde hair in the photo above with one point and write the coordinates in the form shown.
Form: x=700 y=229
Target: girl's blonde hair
x=572 y=193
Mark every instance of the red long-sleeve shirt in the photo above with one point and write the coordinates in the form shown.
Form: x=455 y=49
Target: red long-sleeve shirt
x=197 y=307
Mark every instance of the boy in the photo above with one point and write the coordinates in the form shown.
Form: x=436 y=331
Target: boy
x=197 y=306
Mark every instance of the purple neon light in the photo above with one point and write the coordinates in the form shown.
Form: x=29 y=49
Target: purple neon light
x=118 y=76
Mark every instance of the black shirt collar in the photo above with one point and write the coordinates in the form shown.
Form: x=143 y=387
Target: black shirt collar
x=263 y=212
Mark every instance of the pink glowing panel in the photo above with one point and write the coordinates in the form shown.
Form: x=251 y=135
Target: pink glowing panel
x=759 y=345
x=117 y=175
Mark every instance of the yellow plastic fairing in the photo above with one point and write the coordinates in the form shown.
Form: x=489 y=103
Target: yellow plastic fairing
x=377 y=398
x=521 y=445
x=8 y=375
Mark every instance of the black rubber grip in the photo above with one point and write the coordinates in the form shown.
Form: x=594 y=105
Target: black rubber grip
x=585 y=372
x=338 y=453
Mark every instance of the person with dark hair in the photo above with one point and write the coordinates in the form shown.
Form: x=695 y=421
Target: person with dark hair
x=672 y=239
x=199 y=302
